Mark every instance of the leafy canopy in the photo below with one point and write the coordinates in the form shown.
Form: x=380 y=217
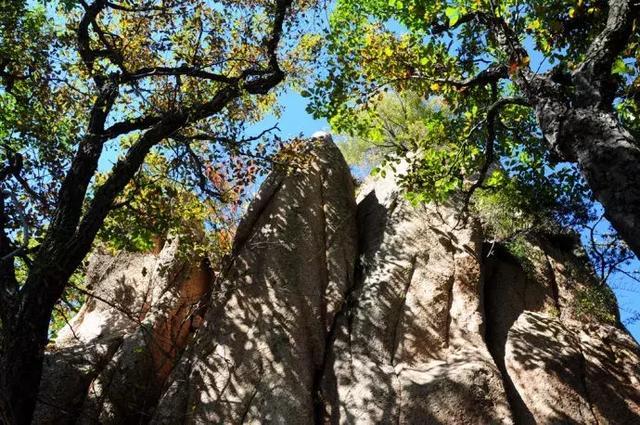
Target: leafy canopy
x=448 y=65
x=127 y=121
x=71 y=71
x=514 y=198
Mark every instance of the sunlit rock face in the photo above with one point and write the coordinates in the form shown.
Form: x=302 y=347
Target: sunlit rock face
x=410 y=348
x=559 y=366
x=109 y=364
x=567 y=373
x=262 y=351
x=332 y=311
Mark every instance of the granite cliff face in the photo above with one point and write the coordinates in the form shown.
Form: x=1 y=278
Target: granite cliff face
x=334 y=310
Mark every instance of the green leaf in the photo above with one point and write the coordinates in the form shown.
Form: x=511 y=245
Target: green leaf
x=619 y=67
x=453 y=13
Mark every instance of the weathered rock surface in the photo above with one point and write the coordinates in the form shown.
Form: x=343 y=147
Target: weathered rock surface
x=329 y=313
x=261 y=353
x=410 y=348
x=558 y=362
x=572 y=374
x=109 y=364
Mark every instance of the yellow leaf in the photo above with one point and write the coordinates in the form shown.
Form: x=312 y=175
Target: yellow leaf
x=388 y=51
x=435 y=87
x=536 y=24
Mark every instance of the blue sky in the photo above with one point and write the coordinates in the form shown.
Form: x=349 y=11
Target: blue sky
x=294 y=119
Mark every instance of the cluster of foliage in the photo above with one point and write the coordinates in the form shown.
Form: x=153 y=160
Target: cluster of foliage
x=597 y=302
x=169 y=53
x=456 y=90
x=171 y=56
x=201 y=209
x=441 y=48
x=520 y=193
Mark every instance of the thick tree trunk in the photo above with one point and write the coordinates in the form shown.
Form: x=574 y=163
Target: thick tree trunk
x=21 y=364
x=610 y=159
x=608 y=156
x=575 y=112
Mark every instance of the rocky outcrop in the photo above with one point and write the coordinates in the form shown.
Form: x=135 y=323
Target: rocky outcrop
x=109 y=364
x=328 y=312
x=261 y=354
x=543 y=341
x=410 y=348
x=573 y=374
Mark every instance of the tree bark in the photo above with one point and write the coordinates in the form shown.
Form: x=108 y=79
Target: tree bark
x=609 y=158
x=24 y=342
x=577 y=117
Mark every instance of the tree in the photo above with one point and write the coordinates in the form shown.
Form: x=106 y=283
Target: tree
x=475 y=56
x=80 y=80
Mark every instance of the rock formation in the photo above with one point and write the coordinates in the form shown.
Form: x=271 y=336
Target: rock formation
x=110 y=363
x=262 y=351
x=334 y=311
